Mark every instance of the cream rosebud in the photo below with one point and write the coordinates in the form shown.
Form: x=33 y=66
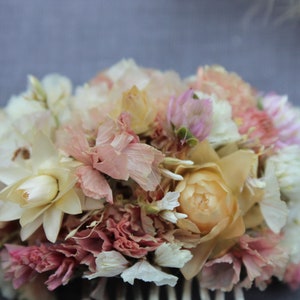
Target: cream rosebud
x=39 y=188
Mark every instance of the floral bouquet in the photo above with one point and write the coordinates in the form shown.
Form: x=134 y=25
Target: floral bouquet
x=140 y=175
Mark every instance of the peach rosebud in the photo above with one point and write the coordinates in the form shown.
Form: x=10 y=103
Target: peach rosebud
x=206 y=199
x=210 y=195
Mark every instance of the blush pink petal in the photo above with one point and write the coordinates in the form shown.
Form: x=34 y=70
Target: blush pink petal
x=143 y=161
x=93 y=183
x=221 y=273
x=111 y=162
x=73 y=141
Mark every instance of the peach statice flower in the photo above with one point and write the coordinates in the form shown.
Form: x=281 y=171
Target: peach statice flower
x=190 y=116
x=215 y=80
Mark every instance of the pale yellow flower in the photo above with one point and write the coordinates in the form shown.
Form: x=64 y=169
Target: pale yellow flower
x=39 y=190
x=209 y=195
x=141 y=109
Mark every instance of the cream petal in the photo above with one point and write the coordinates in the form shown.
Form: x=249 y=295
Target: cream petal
x=9 y=211
x=13 y=174
x=43 y=152
x=52 y=219
x=145 y=271
x=109 y=264
x=69 y=203
x=168 y=202
x=30 y=214
x=236 y=168
x=29 y=229
x=66 y=180
x=171 y=255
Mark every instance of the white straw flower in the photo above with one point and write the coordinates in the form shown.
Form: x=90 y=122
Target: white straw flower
x=39 y=191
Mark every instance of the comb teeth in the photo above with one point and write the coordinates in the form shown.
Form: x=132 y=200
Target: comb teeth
x=185 y=290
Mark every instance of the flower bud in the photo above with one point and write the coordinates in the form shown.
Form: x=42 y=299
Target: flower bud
x=38 y=188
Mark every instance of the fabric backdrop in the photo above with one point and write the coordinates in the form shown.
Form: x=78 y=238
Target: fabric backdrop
x=77 y=38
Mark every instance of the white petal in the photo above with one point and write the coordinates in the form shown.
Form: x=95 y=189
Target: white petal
x=52 y=219
x=57 y=88
x=109 y=264
x=273 y=209
x=69 y=203
x=172 y=216
x=43 y=152
x=9 y=211
x=13 y=174
x=224 y=130
x=171 y=255
x=29 y=229
x=144 y=271
x=169 y=201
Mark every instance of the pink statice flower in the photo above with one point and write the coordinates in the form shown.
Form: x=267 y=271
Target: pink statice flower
x=221 y=273
x=258 y=127
x=189 y=112
x=21 y=263
x=292 y=276
x=285 y=117
x=126 y=229
x=261 y=256
x=132 y=230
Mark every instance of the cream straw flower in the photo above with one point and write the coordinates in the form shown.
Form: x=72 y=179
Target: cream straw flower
x=39 y=191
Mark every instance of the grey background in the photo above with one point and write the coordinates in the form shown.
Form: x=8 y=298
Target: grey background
x=77 y=38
